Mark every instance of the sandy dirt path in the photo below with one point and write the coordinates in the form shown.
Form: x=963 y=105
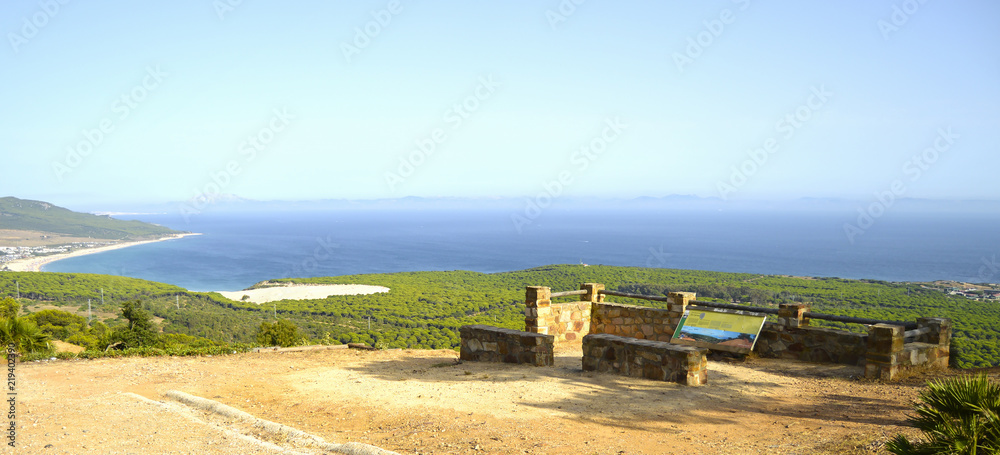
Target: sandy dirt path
x=425 y=402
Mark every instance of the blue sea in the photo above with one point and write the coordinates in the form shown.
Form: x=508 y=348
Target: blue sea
x=237 y=250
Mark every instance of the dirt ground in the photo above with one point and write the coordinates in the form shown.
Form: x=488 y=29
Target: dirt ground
x=9 y=237
x=425 y=402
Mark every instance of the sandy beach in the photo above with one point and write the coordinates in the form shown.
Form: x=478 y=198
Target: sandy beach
x=35 y=264
x=302 y=292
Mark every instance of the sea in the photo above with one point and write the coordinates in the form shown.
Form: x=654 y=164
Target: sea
x=236 y=250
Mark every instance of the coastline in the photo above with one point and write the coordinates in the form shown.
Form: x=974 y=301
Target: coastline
x=35 y=264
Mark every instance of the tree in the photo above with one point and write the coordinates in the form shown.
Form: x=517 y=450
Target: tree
x=58 y=324
x=24 y=335
x=97 y=337
x=9 y=308
x=138 y=332
x=282 y=333
x=959 y=415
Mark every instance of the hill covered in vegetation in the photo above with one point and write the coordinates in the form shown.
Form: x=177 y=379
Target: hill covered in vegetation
x=27 y=215
x=425 y=309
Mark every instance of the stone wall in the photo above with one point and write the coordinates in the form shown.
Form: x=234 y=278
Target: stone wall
x=569 y=321
x=812 y=344
x=565 y=321
x=640 y=322
x=889 y=354
x=649 y=359
x=791 y=337
x=483 y=343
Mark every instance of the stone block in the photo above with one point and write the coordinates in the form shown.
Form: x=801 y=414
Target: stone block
x=940 y=330
x=654 y=372
x=652 y=357
x=644 y=358
x=493 y=344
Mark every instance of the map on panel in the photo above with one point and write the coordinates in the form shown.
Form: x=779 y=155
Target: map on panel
x=726 y=330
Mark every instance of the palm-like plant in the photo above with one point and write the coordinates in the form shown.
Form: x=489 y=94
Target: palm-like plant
x=959 y=415
x=24 y=335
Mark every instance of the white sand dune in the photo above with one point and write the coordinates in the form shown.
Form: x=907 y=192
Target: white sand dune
x=302 y=292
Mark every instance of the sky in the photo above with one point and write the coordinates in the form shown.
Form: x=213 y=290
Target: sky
x=123 y=102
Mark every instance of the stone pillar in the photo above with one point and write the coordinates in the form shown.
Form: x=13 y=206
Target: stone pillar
x=678 y=302
x=793 y=314
x=592 y=294
x=941 y=336
x=537 y=309
x=582 y=317
x=885 y=344
x=940 y=331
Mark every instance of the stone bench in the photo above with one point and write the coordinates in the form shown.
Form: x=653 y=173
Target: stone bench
x=483 y=343
x=649 y=359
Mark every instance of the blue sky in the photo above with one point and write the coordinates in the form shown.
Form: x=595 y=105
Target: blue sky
x=156 y=101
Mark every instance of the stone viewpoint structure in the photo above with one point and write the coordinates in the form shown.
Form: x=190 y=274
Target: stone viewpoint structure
x=635 y=340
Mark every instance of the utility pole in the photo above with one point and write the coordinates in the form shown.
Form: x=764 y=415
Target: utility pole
x=88 y=312
x=102 y=297
x=275 y=310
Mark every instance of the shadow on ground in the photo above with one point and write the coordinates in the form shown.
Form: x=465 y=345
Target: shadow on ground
x=633 y=403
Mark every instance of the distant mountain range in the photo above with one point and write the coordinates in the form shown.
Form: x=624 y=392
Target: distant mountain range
x=233 y=203
x=229 y=203
x=27 y=215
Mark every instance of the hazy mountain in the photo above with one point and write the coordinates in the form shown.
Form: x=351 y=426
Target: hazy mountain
x=223 y=203
x=27 y=215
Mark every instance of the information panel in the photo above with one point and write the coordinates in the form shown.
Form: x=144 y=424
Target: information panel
x=719 y=329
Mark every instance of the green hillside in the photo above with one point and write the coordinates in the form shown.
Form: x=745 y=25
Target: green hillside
x=25 y=215
x=425 y=309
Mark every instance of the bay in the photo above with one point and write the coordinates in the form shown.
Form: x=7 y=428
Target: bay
x=237 y=250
